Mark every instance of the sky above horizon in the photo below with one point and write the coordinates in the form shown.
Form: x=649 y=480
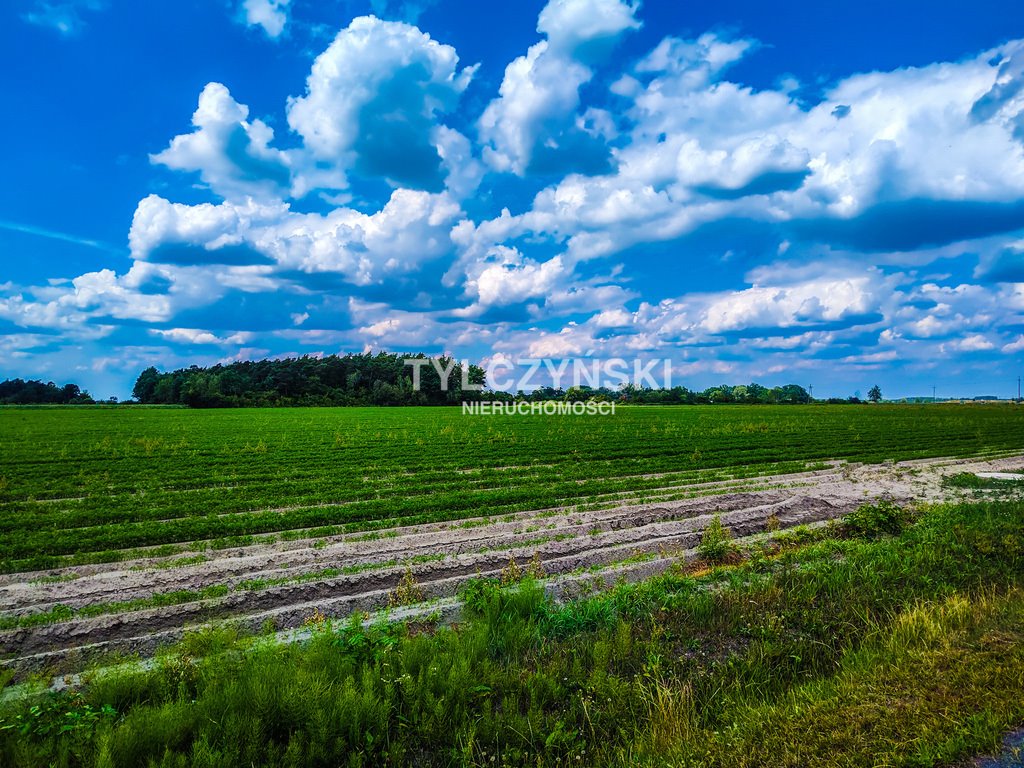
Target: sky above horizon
x=829 y=194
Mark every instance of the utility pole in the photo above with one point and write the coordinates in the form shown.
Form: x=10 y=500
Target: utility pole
x=933 y=393
x=1018 y=389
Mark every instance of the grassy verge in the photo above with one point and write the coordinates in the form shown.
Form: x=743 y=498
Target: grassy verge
x=941 y=682
x=901 y=645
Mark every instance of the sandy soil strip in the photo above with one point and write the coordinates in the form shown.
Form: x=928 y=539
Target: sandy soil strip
x=441 y=556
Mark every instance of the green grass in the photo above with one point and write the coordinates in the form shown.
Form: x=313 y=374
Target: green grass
x=84 y=485
x=973 y=482
x=880 y=648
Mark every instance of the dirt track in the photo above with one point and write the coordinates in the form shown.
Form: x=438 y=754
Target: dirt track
x=440 y=556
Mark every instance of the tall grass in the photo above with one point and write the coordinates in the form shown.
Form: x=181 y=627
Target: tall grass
x=879 y=649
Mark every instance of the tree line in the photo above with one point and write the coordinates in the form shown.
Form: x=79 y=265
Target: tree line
x=33 y=392
x=374 y=379
x=749 y=394
x=386 y=379
x=366 y=379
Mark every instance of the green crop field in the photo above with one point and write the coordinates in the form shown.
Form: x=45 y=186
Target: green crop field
x=81 y=485
x=202 y=579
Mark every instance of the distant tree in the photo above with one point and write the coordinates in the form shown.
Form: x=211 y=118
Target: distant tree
x=874 y=394
x=722 y=394
x=145 y=386
x=792 y=393
x=757 y=394
x=578 y=394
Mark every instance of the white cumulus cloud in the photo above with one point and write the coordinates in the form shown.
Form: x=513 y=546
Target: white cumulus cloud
x=534 y=120
x=270 y=15
x=412 y=228
x=374 y=98
x=231 y=153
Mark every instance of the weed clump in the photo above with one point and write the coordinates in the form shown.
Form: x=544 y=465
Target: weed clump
x=180 y=673
x=478 y=593
x=965 y=480
x=717 y=545
x=316 y=620
x=535 y=568
x=63 y=714
x=407 y=592
x=481 y=593
x=512 y=573
x=870 y=521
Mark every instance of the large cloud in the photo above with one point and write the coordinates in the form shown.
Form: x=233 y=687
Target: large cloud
x=534 y=124
x=515 y=280
x=372 y=106
x=807 y=304
x=146 y=293
x=373 y=100
x=411 y=229
x=888 y=161
x=187 y=257
x=231 y=154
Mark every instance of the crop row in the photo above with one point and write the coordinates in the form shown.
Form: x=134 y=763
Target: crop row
x=248 y=499
x=408 y=510
x=77 y=481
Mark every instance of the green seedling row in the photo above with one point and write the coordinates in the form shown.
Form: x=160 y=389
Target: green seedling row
x=84 y=484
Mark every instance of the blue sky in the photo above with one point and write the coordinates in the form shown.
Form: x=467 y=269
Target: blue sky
x=829 y=194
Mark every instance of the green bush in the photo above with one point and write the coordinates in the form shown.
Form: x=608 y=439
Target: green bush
x=870 y=521
x=716 y=544
x=477 y=594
